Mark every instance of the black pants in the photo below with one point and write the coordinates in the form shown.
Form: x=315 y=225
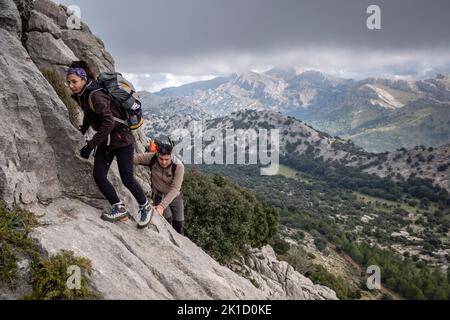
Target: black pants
x=102 y=163
x=174 y=213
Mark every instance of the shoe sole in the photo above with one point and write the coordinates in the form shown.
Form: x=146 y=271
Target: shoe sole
x=121 y=219
x=143 y=226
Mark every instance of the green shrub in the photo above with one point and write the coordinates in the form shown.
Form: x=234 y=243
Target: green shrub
x=319 y=275
x=15 y=226
x=57 y=81
x=48 y=275
x=8 y=266
x=387 y=296
x=300 y=260
x=280 y=246
x=320 y=244
x=401 y=274
x=222 y=218
x=49 y=278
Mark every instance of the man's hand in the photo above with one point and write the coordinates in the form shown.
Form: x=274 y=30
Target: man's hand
x=160 y=209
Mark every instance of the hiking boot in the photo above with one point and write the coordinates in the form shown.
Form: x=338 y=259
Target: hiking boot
x=145 y=213
x=118 y=213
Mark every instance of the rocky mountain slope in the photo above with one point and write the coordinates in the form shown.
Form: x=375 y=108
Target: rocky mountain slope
x=378 y=114
x=41 y=171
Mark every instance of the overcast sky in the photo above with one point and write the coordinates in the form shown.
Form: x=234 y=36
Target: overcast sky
x=159 y=43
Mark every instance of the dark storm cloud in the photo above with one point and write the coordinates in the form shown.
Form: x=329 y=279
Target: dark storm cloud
x=206 y=36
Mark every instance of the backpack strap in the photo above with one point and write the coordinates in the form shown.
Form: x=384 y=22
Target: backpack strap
x=91 y=106
x=174 y=168
x=152 y=162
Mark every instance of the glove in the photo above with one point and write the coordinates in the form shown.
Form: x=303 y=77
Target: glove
x=85 y=152
x=83 y=131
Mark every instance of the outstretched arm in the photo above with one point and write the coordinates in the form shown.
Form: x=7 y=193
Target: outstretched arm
x=143 y=158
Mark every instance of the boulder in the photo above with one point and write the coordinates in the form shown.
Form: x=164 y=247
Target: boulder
x=10 y=18
x=41 y=23
x=87 y=47
x=47 y=51
x=55 y=12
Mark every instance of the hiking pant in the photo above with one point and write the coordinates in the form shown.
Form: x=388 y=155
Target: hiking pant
x=102 y=163
x=174 y=213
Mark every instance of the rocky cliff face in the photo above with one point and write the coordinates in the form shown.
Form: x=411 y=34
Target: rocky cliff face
x=52 y=28
x=41 y=171
x=277 y=279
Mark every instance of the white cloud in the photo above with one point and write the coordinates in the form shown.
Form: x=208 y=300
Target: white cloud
x=156 y=82
x=197 y=38
x=354 y=64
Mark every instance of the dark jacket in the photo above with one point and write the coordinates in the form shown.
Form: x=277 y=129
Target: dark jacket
x=102 y=119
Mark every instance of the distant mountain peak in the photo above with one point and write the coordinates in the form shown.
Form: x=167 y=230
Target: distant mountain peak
x=285 y=73
x=316 y=77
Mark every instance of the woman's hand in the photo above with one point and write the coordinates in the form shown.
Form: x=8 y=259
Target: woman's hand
x=86 y=151
x=82 y=130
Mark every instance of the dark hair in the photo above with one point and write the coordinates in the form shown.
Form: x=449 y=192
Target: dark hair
x=165 y=150
x=83 y=65
x=164 y=145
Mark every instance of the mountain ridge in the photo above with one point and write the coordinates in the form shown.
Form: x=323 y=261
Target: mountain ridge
x=297 y=137
x=360 y=110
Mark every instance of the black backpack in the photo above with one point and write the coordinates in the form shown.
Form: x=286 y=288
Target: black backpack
x=124 y=95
